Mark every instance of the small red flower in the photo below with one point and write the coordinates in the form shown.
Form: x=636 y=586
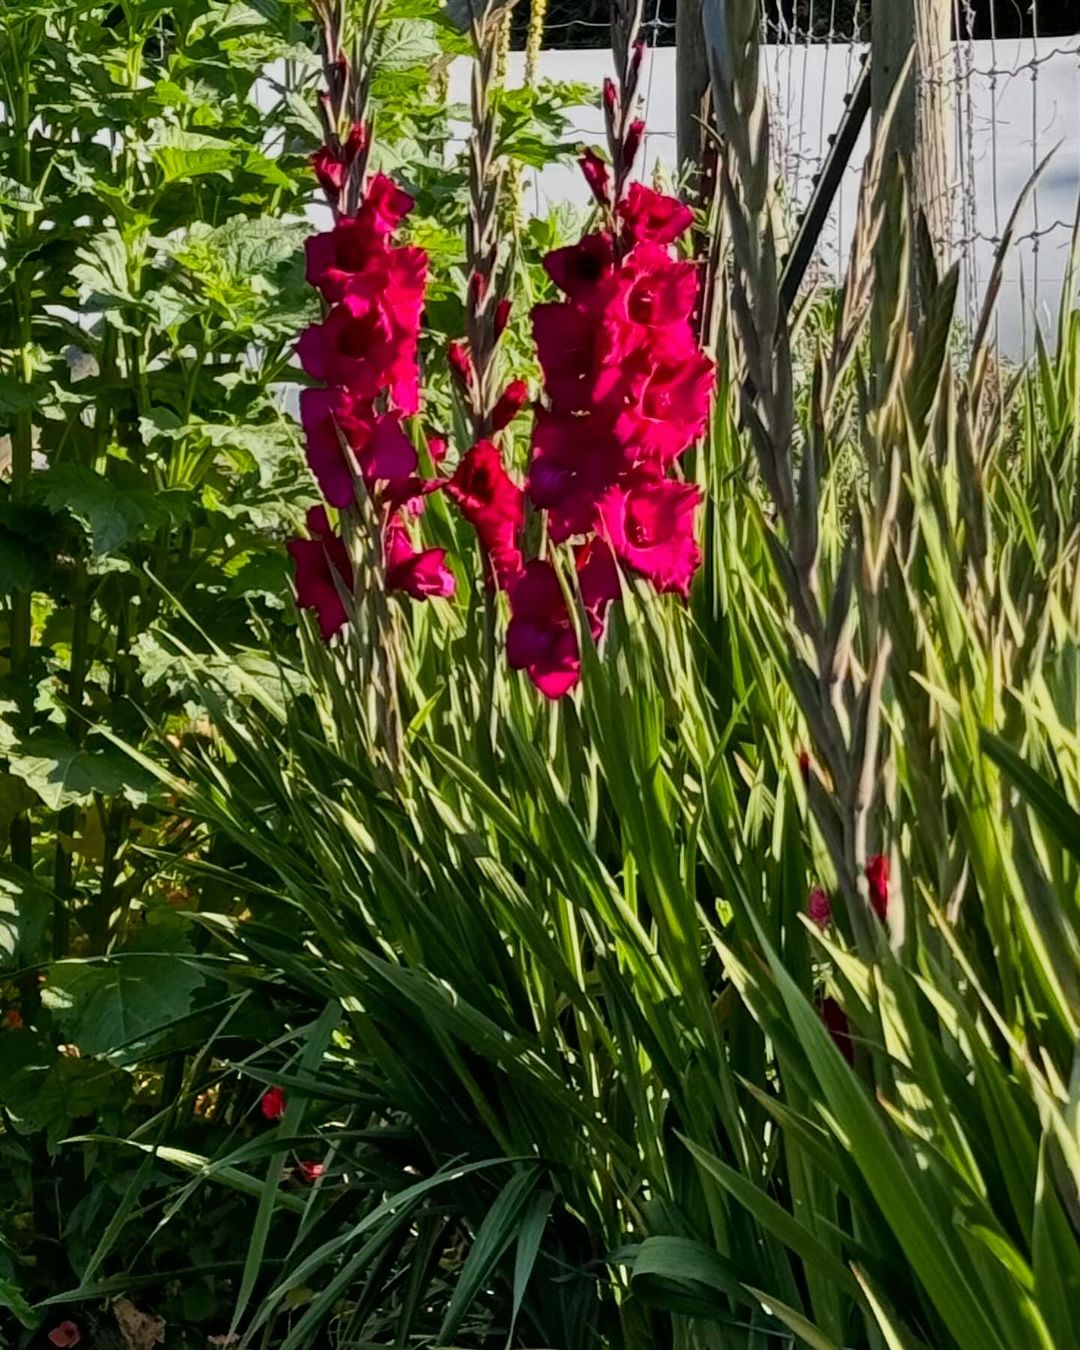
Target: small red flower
x=650 y=525
x=539 y=637
x=596 y=175
x=836 y=1020
x=311 y=1171
x=419 y=573
x=66 y=1334
x=804 y=765
x=514 y=398
x=460 y=363
x=321 y=564
x=493 y=504
x=818 y=908
x=381 y=448
x=598 y=579
x=635 y=134
x=877 y=880
x=13 y=1020
x=575 y=460
x=579 y=268
x=651 y=217
x=332 y=166
x=502 y=318
x=272 y=1103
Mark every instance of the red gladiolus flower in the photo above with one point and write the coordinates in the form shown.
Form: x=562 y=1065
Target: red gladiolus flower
x=672 y=408
x=437 y=446
x=385 y=205
x=650 y=524
x=502 y=318
x=579 y=268
x=818 y=908
x=334 y=423
x=596 y=175
x=311 y=1171
x=575 y=460
x=493 y=504
x=611 y=94
x=598 y=580
x=419 y=573
x=514 y=398
x=460 y=362
x=540 y=639
x=322 y=566
x=348 y=257
x=651 y=217
x=836 y=1020
x=478 y=284
x=657 y=291
x=332 y=165
x=635 y=134
x=66 y=1334
x=272 y=1103
x=877 y=880
x=368 y=344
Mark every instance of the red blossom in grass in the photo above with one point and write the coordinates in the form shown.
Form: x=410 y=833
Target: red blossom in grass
x=334 y=423
x=460 y=362
x=322 y=567
x=310 y=1172
x=651 y=217
x=649 y=522
x=598 y=580
x=437 y=446
x=385 y=205
x=635 y=134
x=368 y=343
x=575 y=460
x=502 y=318
x=272 y=1103
x=836 y=1021
x=13 y=1020
x=818 y=908
x=332 y=165
x=877 y=880
x=804 y=765
x=540 y=639
x=493 y=504
x=346 y=258
x=579 y=268
x=66 y=1334
x=478 y=284
x=420 y=573
x=655 y=290
x=597 y=177
x=514 y=398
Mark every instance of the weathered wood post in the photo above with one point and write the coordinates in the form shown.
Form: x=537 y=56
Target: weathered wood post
x=691 y=82
x=922 y=129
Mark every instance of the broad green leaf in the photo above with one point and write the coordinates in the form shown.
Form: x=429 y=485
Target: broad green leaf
x=105 y=1006
x=183 y=155
x=62 y=772
x=110 y=516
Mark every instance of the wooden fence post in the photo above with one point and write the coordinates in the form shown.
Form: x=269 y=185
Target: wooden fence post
x=922 y=130
x=691 y=82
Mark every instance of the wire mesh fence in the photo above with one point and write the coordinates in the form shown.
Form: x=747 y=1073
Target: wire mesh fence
x=1011 y=78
